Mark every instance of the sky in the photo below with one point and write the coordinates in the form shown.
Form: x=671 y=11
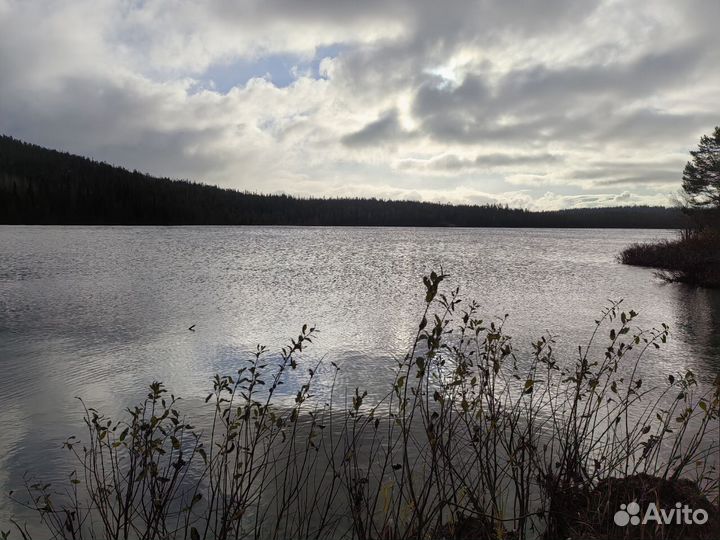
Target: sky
x=540 y=104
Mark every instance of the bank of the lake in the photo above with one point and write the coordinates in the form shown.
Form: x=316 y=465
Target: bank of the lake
x=692 y=258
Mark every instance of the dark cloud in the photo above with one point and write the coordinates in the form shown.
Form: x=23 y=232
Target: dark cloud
x=612 y=173
x=114 y=122
x=652 y=127
x=559 y=103
x=452 y=162
x=542 y=88
x=650 y=178
x=434 y=31
x=384 y=129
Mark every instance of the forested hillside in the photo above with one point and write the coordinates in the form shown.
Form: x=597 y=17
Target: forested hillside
x=41 y=186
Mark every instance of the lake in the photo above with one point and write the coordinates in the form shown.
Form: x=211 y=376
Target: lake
x=100 y=312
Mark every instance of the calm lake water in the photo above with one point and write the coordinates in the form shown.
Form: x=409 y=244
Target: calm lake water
x=99 y=312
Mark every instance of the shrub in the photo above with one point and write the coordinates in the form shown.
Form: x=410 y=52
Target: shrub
x=467 y=442
x=693 y=258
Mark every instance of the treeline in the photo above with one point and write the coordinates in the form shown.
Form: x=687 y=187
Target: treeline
x=41 y=186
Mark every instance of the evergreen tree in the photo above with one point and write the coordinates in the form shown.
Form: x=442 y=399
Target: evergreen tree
x=701 y=178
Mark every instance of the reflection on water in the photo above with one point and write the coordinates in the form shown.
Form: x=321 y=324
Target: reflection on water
x=99 y=312
x=698 y=318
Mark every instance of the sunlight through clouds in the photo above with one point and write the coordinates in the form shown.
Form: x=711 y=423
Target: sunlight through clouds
x=590 y=102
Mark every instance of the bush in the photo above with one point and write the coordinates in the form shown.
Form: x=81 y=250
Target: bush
x=467 y=443
x=693 y=258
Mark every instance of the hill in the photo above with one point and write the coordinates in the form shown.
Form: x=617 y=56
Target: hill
x=42 y=186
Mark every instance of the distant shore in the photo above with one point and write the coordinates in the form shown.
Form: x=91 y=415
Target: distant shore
x=39 y=186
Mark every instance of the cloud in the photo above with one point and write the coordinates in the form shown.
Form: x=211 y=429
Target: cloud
x=537 y=104
x=452 y=163
x=385 y=129
x=593 y=102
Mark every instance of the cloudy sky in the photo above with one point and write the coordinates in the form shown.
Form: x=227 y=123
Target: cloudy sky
x=538 y=104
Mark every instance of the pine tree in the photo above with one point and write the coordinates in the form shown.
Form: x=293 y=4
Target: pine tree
x=701 y=178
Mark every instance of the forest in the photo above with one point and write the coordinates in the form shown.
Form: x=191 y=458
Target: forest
x=47 y=187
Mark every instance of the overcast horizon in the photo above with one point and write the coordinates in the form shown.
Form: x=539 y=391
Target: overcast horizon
x=540 y=105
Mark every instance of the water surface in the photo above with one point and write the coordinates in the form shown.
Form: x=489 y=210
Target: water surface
x=99 y=312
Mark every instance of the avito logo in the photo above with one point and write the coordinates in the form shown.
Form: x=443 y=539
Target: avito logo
x=629 y=514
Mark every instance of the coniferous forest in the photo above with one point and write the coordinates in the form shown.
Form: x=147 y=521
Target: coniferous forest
x=42 y=186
